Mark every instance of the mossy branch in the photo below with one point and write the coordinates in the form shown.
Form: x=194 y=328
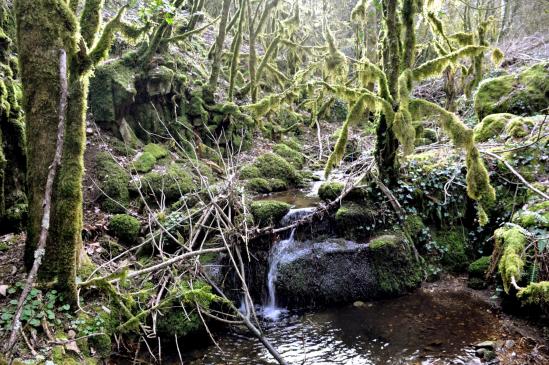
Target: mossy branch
x=90 y=20
x=183 y=36
x=100 y=50
x=436 y=66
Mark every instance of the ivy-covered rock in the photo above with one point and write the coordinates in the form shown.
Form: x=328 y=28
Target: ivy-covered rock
x=526 y=93
x=124 y=227
x=267 y=212
x=113 y=181
x=330 y=190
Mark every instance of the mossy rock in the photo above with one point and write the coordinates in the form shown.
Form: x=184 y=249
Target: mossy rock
x=258 y=185
x=519 y=127
x=102 y=345
x=293 y=143
x=355 y=220
x=272 y=166
x=492 y=126
x=178 y=322
x=413 y=225
x=526 y=93
x=454 y=247
x=113 y=181
x=249 y=172
x=124 y=227
x=479 y=267
x=267 y=212
x=172 y=183
x=330 y=190
x=530 y=161
x=292 y=156
x=533 y=216
x=156 y=150
x=394 y=265
x=144 y=163
x=278 y=185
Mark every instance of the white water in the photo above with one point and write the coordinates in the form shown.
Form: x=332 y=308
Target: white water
x=271 y=311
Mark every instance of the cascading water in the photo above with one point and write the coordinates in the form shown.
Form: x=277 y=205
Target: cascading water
x=271 y=311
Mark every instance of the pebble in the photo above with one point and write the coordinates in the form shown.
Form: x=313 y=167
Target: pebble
x=486 y=345
x=359 y=304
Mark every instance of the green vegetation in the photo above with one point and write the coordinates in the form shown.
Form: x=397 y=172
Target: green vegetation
x=124 y=227
x=113 y=181
x=268 y=212
x=330 y=190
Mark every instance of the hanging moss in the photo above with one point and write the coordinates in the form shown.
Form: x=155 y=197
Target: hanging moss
x=511 y=264
x=335 y=62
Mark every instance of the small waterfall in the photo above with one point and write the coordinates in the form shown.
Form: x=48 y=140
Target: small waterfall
x=271 y=311
x=296 y=214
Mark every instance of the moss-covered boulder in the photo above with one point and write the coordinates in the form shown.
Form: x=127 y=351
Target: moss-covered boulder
x=525 y=93
x=113 y=182
x=156 y=150
x=355 y=221
x=503 y=126
x=534 y=215
x=272 y=166
x=396 y=269
x=249 y=172
x=336 y=271
x=292 y=156
x=124 y=227
x=330 y=190
x=144 y=162
x=258 y=185
x=477 y=270
x=267 y=212
x=168 y=185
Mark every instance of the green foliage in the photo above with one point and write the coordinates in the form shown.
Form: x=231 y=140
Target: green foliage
x=268 y=212
x=535 y=293
x=330 y=190
x=124 y=227
x=249 y=172
x=39 y=306
x=454 y=246
x=335 y=62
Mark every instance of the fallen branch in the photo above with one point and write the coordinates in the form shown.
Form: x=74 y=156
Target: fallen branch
x=517 y=174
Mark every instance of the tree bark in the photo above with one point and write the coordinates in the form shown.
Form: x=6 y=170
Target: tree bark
x=218 y=50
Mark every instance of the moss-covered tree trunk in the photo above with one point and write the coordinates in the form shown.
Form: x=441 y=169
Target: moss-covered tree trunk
x=218 y=48
x=386 y=141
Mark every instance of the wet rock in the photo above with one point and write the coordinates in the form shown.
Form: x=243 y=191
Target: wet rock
x=486 y=345
x=359 y=304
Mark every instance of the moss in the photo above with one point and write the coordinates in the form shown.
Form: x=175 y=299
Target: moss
x=102 y=345
x=156 y=150
x=267 y=212
x=144 y=163
x=258 y=185
x=492 y=126
x=293 y=143
x=113 y=181
x=355 y=220
x=413 y=225
x=178 y=322
x=273 y=166
x=290 y=155
x=330 y=190
x=535 y=293
x=175 y=182
x=393 y=264
x=536 y=215
x=511 y=264
x=479 y=267
x=524 y=94
x=124 y=227
x=454 y=247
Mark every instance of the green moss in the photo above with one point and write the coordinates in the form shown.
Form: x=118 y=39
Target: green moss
x=175 y=182
x=268 y=212
x=290 y=155
x=178 y=322
x=293 y=143
x=4 y=246
x=535 y=293
x=249 y=172
x=102 y=345
x=124 y=227
x=330 y=190
x=144 y=163
x=393 y=264
x=273 y=166
x=479 y=267
x=156 y=150
x=258 y=185
x=454 y=247
x=492 y=126
x=524 y=94
x=113 y=181
x=413 y=225
x=519 y=127
x=355 y=220
x=511 y=264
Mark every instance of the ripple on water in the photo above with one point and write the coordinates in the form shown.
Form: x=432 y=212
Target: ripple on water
x=420 y=328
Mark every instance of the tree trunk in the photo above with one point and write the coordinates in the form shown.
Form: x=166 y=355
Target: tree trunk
x=218 y=50
x=44 y=28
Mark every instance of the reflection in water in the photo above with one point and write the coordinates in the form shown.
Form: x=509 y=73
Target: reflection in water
x=421 y=328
